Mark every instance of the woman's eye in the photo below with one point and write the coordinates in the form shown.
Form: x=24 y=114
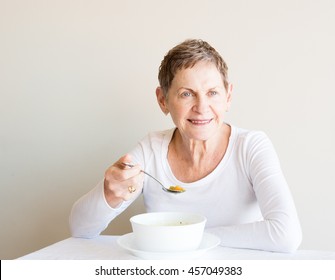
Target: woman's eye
x=213 y=92
x=186 y=94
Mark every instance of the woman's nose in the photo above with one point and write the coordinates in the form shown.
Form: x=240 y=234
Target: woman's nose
x=201 y=105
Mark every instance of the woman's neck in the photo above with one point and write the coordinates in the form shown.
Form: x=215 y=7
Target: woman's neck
x=192 y=159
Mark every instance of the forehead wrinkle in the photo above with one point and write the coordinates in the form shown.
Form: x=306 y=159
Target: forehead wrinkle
x=203 y=77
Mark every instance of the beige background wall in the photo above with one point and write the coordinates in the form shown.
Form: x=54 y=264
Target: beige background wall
x=77 y=91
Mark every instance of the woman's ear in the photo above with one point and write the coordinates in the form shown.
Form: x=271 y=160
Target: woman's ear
x=229 y=95
x=161 y=99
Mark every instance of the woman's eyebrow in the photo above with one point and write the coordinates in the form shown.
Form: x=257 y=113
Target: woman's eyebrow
x=194 y=91
x=185 y=88
x=216 y=88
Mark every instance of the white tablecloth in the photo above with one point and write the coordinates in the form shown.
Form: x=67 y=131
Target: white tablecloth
x=106 y=248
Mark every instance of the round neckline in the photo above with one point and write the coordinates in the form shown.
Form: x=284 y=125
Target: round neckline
x=211 y=176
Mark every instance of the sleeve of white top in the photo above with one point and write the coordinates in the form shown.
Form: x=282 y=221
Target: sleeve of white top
x=280 y=228
x=91 y=214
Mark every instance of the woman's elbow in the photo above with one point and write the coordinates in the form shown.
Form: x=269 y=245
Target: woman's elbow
x=289 y=242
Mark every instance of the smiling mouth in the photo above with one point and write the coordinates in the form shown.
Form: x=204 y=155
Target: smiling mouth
x=200 y=122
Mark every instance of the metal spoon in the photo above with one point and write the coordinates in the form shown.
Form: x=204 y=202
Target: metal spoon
x=163 y=187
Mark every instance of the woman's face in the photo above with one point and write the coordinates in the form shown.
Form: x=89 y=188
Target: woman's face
x=197 y=101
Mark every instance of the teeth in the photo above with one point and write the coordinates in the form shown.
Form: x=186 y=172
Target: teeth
x=199 y=121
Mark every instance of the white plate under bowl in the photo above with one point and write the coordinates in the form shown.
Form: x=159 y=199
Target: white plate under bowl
x=208 y=242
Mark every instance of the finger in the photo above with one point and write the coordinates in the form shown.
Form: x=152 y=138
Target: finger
x=136 y=180
x=122 y=172
x=125 y=161
x=133 y=186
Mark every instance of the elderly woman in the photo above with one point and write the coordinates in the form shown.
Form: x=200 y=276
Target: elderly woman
x=231 y=175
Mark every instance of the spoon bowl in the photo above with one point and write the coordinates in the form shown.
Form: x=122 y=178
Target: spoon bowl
x=172 y=189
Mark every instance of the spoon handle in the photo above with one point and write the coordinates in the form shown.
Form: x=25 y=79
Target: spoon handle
x=163 y=187
x=132 y=165
x=128 y=164
x=153 y=178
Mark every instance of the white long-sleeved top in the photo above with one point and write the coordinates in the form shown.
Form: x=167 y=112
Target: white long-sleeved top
x=246 y=199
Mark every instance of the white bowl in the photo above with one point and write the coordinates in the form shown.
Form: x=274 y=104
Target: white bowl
x=168 y=231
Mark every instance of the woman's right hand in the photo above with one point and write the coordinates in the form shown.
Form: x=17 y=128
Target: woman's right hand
x=122 y=182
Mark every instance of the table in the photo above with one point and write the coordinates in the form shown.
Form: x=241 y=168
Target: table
x=105 y=247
